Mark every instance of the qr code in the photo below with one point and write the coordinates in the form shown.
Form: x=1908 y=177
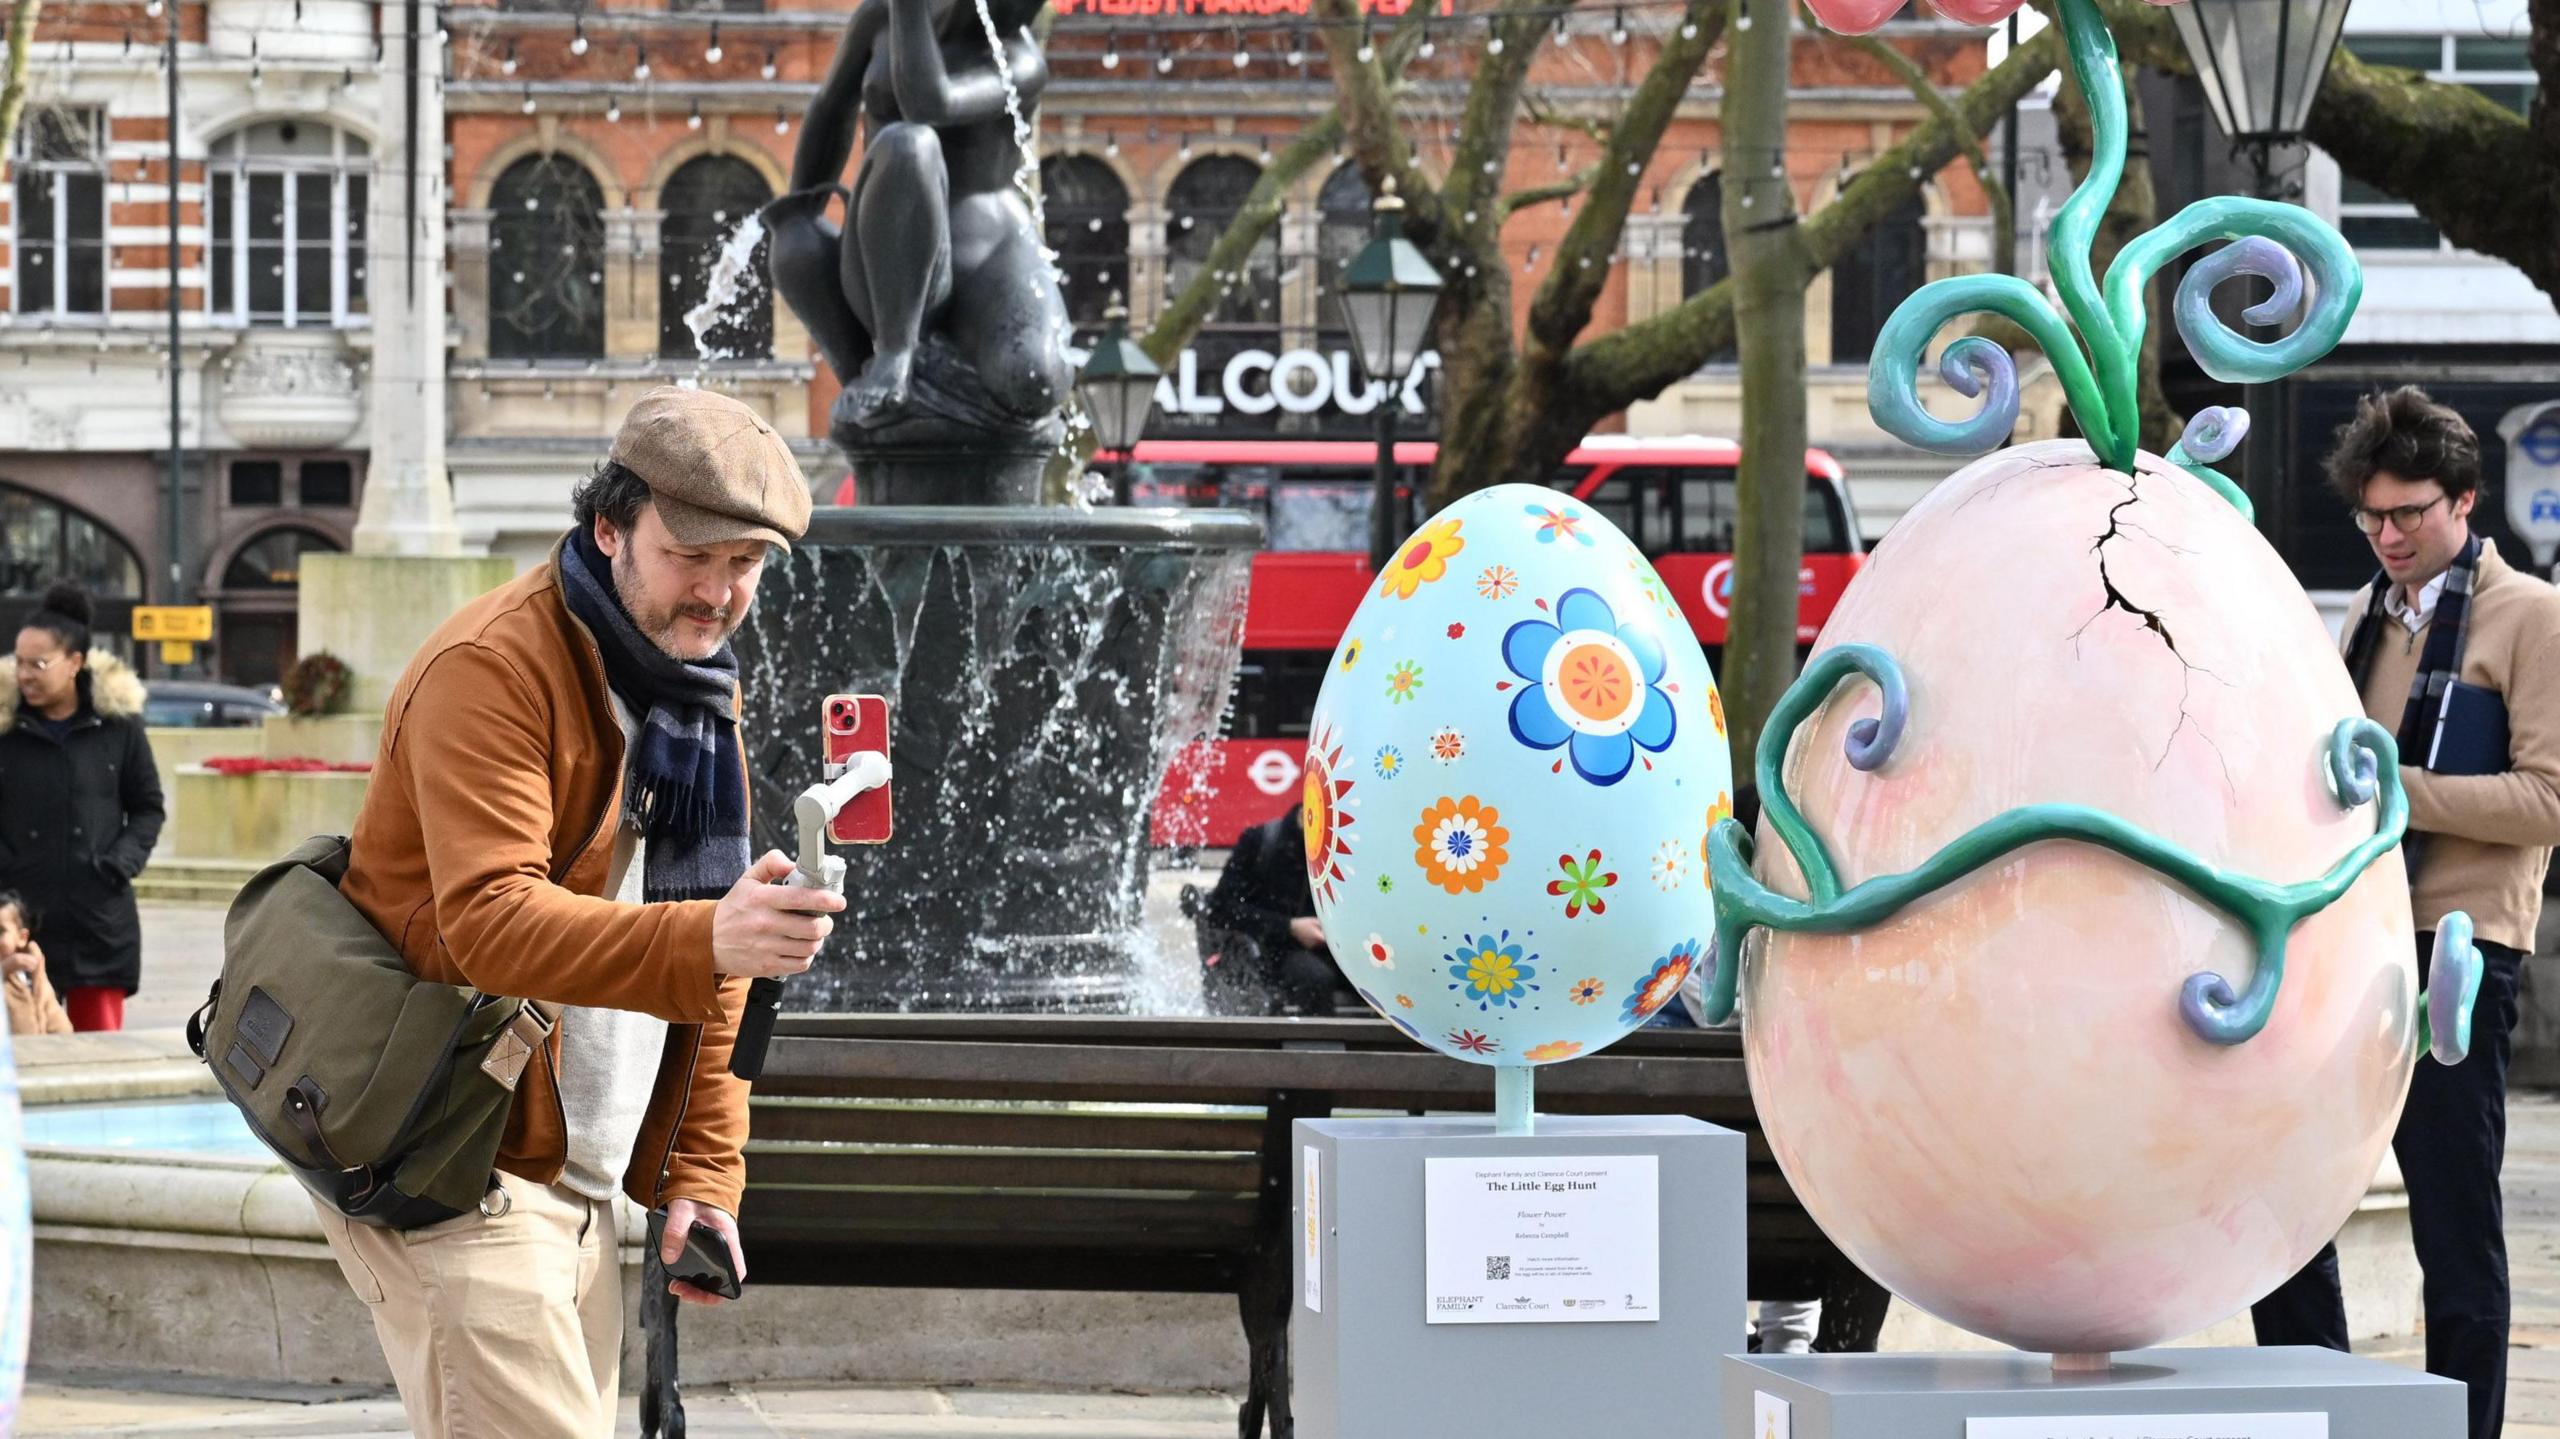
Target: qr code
x=1497 y=1266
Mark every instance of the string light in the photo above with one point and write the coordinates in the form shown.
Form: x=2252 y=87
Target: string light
x=781 y=122
x=693 y=120
x=1111 y=143
x=1164 y=62
x=1493 y=46
x=152 y=9
x=640 y=65
x=711 y=53
x=1427 y=49
x=1111 y=51
x=1618 y=29
x=528 y=99
x=1244 y=57
x=772 y=63
x=1368 y=43
x=613 y=110
x=1297 y=51
x=507 y=65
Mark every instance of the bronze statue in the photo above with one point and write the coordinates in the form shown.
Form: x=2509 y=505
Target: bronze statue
x=934 y=303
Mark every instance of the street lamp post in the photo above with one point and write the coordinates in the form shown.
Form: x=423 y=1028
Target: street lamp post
x=2260 y=63
x=1118 y=385
x=1389 y=295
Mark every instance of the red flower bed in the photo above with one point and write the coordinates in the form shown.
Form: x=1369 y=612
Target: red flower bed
x=251 y=764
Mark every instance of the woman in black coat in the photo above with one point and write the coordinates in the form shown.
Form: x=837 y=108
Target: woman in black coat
x=1263 y=896
x=80 y=806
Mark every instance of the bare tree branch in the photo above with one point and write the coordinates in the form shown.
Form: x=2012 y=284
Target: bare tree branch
x=1262 y=207
x=1562 y=309
x=2004 y=217
x=1536 y=195
x=2486 y=177
x=13 y=89
x=1639 y=361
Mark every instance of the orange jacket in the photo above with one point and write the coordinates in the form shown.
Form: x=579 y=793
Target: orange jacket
x=482 y=851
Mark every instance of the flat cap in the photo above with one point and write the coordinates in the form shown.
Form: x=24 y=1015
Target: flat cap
x=717 y=471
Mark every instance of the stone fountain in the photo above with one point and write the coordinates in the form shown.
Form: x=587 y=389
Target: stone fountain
x=1044 y=663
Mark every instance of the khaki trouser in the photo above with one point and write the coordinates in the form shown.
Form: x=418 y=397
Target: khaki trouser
x=504 y=1326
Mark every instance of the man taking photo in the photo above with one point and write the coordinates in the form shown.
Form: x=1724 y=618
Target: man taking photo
x=2460 y=656
x=558 y=812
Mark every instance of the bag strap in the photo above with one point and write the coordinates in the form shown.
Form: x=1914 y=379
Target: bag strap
x=198 y=1021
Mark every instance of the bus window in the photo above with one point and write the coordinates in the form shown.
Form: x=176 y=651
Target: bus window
x=1326 y=507
x=1707 y=516
x=1638 y=500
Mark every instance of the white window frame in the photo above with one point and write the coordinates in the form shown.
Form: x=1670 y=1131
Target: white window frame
x=227 y=163
x=58 y=243
x=2445 y=71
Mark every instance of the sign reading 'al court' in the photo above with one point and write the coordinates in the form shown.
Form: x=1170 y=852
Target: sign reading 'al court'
x=1259 y=382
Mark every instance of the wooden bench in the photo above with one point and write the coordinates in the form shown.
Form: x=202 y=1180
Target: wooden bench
x=1153 y=1156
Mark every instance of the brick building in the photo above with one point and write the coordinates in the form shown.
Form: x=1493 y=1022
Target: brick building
x=599 y=157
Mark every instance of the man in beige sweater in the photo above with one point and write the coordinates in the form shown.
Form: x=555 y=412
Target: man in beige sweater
x=2447 y=613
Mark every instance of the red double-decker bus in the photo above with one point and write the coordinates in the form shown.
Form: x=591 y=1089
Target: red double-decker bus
x=1673 y=496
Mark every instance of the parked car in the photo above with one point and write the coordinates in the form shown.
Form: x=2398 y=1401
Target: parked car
x=194 y=704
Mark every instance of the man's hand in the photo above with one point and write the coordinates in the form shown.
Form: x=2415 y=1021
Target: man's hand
x=1307 y=930
x=682 y=1215
x=767 y=930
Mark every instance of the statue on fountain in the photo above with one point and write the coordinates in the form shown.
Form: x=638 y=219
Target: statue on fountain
x=934 y=301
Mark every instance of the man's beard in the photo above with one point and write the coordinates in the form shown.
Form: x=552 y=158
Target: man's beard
x=659 y=624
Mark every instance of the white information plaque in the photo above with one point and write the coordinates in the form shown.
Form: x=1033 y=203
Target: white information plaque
x=2154 y=1426
x=1567 y=1239
x=1311 y=1205
x=1771 y=1418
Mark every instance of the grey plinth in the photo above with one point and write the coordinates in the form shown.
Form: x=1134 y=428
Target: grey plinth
x=1931 y=1396
x=1368 y=1365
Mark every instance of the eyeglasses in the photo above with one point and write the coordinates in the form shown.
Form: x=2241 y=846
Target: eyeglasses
x=2404 y=518
x=37 y=666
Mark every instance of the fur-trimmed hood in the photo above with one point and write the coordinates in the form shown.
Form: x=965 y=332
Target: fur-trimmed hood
x=115 y=691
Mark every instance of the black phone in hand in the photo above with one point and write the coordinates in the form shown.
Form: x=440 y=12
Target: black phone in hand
x=705 y=1263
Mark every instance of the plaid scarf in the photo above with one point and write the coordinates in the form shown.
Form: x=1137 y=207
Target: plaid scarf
x=684 y=787
x=2448 y=631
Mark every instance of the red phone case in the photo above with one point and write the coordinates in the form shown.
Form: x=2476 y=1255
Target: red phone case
x=854 y=724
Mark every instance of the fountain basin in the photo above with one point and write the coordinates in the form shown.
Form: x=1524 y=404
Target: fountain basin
x=1044 y=666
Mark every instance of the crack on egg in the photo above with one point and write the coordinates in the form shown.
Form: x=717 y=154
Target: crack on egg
x=2152 y=620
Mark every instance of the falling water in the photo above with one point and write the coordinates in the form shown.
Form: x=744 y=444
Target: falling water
x=734 y=285
x=1089 y=489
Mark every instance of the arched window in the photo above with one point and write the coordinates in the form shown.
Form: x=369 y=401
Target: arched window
x=1088 y=226
x=288 y=202
x=706 y=202
x=1703 y=258
x=1871 y=280
x=546 y=261
x=43 y=542
x=1343 y=225
x=273 y=561
x=1204 y=199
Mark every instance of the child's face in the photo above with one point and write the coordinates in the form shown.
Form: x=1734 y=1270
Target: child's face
x=13 y=932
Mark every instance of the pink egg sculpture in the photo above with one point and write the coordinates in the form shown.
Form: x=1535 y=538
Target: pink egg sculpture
x=1992 y=1103
x=2074 y=952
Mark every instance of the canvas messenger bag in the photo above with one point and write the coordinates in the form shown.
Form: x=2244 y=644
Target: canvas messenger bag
x=385 y=1094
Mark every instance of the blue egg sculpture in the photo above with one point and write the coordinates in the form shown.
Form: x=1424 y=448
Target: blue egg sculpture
x=1513 y=765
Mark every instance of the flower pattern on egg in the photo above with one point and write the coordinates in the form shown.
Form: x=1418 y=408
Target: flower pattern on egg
x=1594 y=687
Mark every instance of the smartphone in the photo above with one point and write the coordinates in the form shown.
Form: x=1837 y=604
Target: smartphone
x=854 y=724
x=705 y=1263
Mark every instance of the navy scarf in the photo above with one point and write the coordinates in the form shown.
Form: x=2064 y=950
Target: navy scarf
x=2448 y=631
x=684 y=786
